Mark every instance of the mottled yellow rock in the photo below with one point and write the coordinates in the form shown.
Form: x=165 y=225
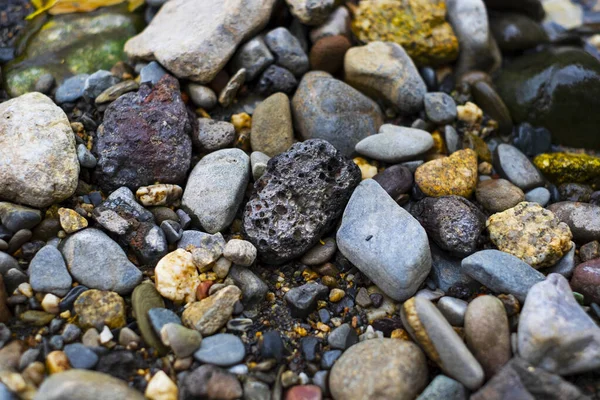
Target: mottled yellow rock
x=367 y=170
x=97 y=308
x=475 y=143
x=56 y=362
x=454 y=175
x=161 y=194
x=469 y=113
x=71 y=221
x=176 y=276
x=161 y=387
x=419 y=26
x=569 y=168
x=211 y=314
x=531 y=233
x=336 y=295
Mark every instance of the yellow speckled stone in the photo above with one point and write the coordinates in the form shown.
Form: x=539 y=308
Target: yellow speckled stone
x=367 y=170
x=417 y=25
x=569 y=168
x=71 y=221
x=97 y=308
x=454 y=175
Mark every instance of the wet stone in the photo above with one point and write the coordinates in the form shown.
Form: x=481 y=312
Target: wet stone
x=222 y=349
x=514 y=166
x=302 y=300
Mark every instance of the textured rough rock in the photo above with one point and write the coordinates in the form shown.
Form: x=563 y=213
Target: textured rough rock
x=208 y=30
x=298 y=199
x=212 y=313
x=144 y=138
x=38 y=164
x=311 y=12
x=326 y=108
x=454 y=175
x=583 y=219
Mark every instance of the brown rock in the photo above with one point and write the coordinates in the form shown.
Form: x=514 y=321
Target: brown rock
x=497 y=195
x=586 y=280
x=11 y=354
x=487 y=333
x=272 y=131
x=56 y=362
x=212 y=313
x=589 y=251
x=454 y=175
x=304 y=392
x=210 y=382
x=327 y=54
x=97 y=308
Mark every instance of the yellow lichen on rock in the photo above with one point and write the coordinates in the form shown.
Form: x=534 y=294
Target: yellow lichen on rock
x=71 y=221
x=419 y=26
x=454 y=175
x=569 y=167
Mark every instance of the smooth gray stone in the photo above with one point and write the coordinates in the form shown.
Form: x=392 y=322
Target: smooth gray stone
x=222 y=349
x=321 y=253
x=287 y=50
x=258 y=161
x=254 y=56
x=85 y=157
x=514 y=166
x=302 y=300
x=395 y=144
x=502 y=272
x=97 y=83
x=446 y=271
x=555 y=333
x=564 y=266
x=384 y=241
x=215 y=188
x=342 y=337
x=201 y=240
x=453 y=309
x=453 y=142
x=159 y=317
x=253 y=288
x=71 y=89
x=80 y=356
x=15 y=217
x=48 y=272
x=583 y=219
x=97 y=262
x=440 y=108
x=121 y=213
x=7 y=262
x=444 y=388
x=538 y=195
x=202 y=96
x=152 y=73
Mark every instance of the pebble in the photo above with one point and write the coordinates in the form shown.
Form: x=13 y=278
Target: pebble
x=116 y=91
x=144 y=298
x=552 y=318
x=395 y=144
x=211 y=314
x=454 y=223
x=254 y=56
x=176 y=276
x=97 y=83
x=575 y=192
x=287 y=51
x=44 y=84
x=583 y=219
x=440 y=108
x=532 y=140
x=215 y=188
x=15 y=217
x=229 y=92
x=19 y=239
x=453 y=175
x=36 y=140
x=96 y=309
x=161 y=194
x=514 y=166
x=56 y=362
x=71 y=333
x=487 y=333
x=80 y=356
x=304 y=392
x=586 y=280
x=71 y=89
x=384 y=70
x=253 y=288
x=451 y=139
x=240 y=252
x=160 y=317
x=497 y=195
x=272 y=131
x=96 y=261
x=71 y=221
x=342 y=337
x=396 y=258
x=48 y=272
x=222 y=349
x=210 y=382
x=538 y=195
x=50 y=303
x=120 y=213
x=161 y=387
x=565 y=265
x=453 y=310
x=320 y=253
x=568 y=167
x=428 y=327
x=442 y=387
x=327 y=53
x=302 y=300
x=152 y=73
x=172 y=231
x=358 y=373
x=276 y=79
x=311 y=12
x=326 y=108
x=85 y=157
x=272 y=346
x=203 y=96
x=71 y=296
x=312 y=170
x=338 y=23
x=214 y=135
x=239 y=324
x=396 y=180
x=258 y=162
x=531 y=233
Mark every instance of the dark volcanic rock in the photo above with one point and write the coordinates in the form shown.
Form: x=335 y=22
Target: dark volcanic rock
x=298 y=199
x=452 y=222
x=144 y=138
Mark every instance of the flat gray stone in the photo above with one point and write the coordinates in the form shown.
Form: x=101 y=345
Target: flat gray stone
x=395 y=144
x=222 y=349
x=15 y=217
x=254 y=56
x=453 y=309
x=444 y=388
x=514 y=166
x=583 y=219
x=215 y=188
x=48 y=272
x=287 y=50
x=440 y=108
x=538 y=195
x=384 y=241
x=79 y=384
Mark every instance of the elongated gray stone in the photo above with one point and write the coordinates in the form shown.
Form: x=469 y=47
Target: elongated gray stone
x=394 y=144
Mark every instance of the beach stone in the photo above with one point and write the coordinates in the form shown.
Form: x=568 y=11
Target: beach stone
x=395 y=180
x=586 y=280
x=213 y=135
x=36 y=140
x=276 y=79
x=538 y=195
x=71 y=221
x=210 y=31
x=176 y=276
x=565 y=265
x=515 y=277
x=258 y=162
x=240 y=252
x=85 y=157
x=420 y=27
x=183 y=341
x=384 y=241
x=15 y=217
x=440 y=108
x=384 y=70
x=48 y=272
x=79 y=384
x=514 y=166
x=447 y=274
x=575 y=192
x=568 y=167
x=519 y=379
x=442 y=387
x=229 y=92
x=313 y=171
x=453 y=310
x=211 y=314
x=116 y=91
x=311 y=12
x=80 y=356
x=453 y=175
x=287 y=51
x=320 y=253
x=454 y=223
x=532 y=140
x=120 y=213
x=359 y=374
x=302 y=300
x=583 y=219
x=96 y=308
x=496 y=195
x=487 y=333
x=161 y=194
x=210 y=382
x=71 y=89
x=428 y=327
x=161 y=387
x=327 y=54
x=144 y=298
x=272 y=130
x=531 y=233
x=555 y=333
x=254 y=56
x=215 y=188
x=514 y=31
x=338 y=23
x=223 y=350
x=134 y=145
x=96 y=261
x=202 y=96
x=160 y=317
x=395 y=144
x=152 y=73
x=97 y=83
x=319 y=104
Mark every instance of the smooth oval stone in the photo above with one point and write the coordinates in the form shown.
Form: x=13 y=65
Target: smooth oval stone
x=395 y=180
x=395 y=144
x=586 y=280
x=15 y=217
x=320 y=253
x=502 y=272
x=491 y=103
x=487 y=333
x=80 y=356
x=144 y=298
x=557 y=89
x=497 y=195
x=161 y=316
x=428 y=327
x=538 y=195
x=514 y=166
x=514 y=31
x=48 y=272
x=223 y=349
x=583 y=219
x=442 y=387
x=453 y=309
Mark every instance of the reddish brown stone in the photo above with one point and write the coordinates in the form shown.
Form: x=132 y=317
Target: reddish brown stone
x=304 y=392
x=328 y=53
x=202 y=290
x=586 y=280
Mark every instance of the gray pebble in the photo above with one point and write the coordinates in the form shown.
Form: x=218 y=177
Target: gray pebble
x=321 y=253
x=222 y=349
x=514 y=166
x=302 y=300
x=214 y=135
x=172 y=230
x=85 y=157
x=48 y=272
x=159 y=317
x=202 y=96
x=152 y=73
x=97 y=83
x=440 y=108
x=442 y=387
x=80 y=356
x=44 y=84
x=254 y=56
x=287 y=50
x=15 y=217
x=258 y=162
x=342 y=337
x=453 y=309
x=538 y=195
x=71 y=89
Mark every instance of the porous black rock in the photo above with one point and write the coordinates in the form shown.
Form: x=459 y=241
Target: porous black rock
x=298 y=199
